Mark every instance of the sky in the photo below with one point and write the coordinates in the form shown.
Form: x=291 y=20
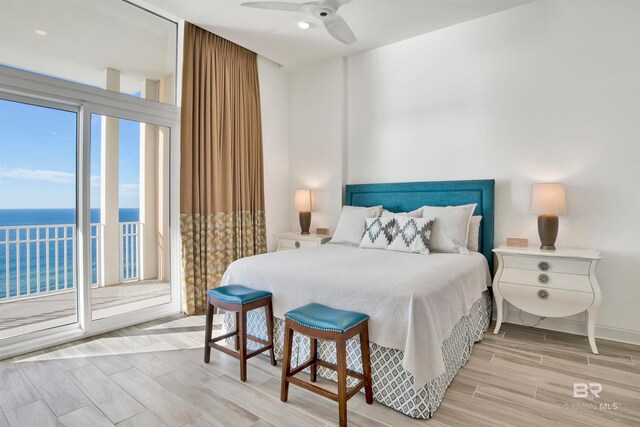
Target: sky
x=38 y=158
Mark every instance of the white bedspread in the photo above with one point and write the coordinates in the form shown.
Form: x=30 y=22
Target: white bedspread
x=413 y=300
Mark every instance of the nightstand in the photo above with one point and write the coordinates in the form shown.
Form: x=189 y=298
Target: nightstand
x=288 y=241
x=548 y=283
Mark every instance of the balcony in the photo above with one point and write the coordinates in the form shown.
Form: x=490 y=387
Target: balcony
x=38 y=273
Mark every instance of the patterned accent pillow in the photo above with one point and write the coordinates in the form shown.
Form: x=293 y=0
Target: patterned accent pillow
x=378 y=233
x=411 y=235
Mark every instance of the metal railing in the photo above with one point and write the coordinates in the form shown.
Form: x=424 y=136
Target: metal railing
x=41 y=259
x=129 y=251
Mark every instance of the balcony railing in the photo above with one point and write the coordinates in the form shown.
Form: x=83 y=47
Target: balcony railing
x=129 y=251
x=41 y=259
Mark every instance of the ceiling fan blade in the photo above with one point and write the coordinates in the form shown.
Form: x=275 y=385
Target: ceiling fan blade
x=336 y=3
x=339 y=29
x=279 y=5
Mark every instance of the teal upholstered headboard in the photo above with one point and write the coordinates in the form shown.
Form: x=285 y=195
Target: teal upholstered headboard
x=407 y=196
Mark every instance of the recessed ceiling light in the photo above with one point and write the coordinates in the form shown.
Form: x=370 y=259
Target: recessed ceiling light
x=41 y=32
x=303 y=25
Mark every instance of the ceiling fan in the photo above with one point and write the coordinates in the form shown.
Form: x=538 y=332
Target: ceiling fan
x=325 y=10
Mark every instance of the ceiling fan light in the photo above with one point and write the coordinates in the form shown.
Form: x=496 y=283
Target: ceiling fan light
x=303 y=25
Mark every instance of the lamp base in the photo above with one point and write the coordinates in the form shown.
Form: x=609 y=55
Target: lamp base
x=305 y=222
x=548 y=231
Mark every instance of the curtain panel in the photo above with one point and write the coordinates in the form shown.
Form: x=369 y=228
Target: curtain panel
x=221 y=172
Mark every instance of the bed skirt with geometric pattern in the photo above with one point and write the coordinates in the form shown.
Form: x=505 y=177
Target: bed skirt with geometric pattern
x=392 y=385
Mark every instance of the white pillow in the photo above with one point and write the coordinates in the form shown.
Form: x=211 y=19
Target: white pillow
x=413 y=214
x=378 y=233
x=474 y=233
x=411 y=235
x=451 y=227
x=351 y=224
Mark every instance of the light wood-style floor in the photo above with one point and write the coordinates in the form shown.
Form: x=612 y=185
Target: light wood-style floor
x=153 y=375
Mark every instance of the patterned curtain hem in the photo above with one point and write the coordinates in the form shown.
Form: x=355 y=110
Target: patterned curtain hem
x=210 y=242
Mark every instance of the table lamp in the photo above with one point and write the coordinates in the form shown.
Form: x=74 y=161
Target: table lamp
x=548 y=200
x=303 y=206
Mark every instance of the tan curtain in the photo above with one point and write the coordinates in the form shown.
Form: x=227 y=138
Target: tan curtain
x=221 y=172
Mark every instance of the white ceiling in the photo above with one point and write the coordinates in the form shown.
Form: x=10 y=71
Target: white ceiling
x=86 y=36
x=275 y=34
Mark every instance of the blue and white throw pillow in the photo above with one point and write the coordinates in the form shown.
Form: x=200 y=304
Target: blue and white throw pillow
x=411 y=235
x=378 y=233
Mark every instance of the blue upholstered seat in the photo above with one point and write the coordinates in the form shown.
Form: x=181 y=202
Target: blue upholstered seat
x=237 y=294
x=318 y=316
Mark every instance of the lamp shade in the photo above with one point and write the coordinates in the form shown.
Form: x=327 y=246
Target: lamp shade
x=548 y=199
x=303 y=200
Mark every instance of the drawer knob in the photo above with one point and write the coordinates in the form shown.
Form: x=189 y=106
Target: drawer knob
x=297 y=245
x=543 y=278
x=543 y=293
x=543 y=265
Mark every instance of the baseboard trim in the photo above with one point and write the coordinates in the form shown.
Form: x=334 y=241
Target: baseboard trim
x=572 y=326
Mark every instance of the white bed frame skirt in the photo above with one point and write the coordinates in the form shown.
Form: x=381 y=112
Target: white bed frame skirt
x=392 y=385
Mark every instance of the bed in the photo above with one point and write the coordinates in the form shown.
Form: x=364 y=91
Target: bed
x=426 y=311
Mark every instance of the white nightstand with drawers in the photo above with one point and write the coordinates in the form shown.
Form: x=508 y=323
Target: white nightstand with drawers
x=548 y=283
x=288 y=241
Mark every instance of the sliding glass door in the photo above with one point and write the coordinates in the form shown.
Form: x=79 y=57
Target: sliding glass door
x=129 y=215
x=86 y=205
x=38 y=227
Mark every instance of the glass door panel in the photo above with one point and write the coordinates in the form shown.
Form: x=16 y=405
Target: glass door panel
x=129 y=216
x=38 y=280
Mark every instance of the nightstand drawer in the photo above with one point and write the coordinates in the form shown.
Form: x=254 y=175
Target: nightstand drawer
x=547 y=302
x=296 y=244
x=547 y=264
x=569 y=282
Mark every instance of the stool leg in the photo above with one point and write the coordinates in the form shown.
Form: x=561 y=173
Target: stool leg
x=286 y=361
x=366 y=363
x=207 y=331
x=269 y=313
x=237 y=340
x=342 y=380
x=314 y=356
x=242 y=337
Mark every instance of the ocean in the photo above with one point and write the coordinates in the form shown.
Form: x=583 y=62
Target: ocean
x=27 y=217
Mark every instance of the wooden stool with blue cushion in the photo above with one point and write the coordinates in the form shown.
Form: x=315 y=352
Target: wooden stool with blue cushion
x=320 y=322
x=241 y=300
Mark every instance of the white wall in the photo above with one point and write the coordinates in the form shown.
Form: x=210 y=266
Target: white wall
x=317 y=140
x=274 y=104
x=548 y=91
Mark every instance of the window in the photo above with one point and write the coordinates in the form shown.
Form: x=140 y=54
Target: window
x=87 y=242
